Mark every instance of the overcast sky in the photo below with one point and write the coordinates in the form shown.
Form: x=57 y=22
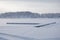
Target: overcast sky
x=40 y=6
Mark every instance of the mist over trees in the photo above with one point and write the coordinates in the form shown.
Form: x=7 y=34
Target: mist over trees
x=28 y=14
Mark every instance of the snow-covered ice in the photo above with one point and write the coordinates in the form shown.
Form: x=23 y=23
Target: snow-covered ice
x=30 y=32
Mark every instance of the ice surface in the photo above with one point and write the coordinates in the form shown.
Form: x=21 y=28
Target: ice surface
x=30 y=32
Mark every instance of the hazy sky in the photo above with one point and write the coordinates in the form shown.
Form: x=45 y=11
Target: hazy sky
x=40 y=6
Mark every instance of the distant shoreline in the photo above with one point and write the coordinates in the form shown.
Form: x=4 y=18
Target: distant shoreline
x=28 y=14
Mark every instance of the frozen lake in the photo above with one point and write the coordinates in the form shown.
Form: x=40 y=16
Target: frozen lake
x=29 y=31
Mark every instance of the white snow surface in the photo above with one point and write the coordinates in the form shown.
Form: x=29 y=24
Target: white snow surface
x=30 y=32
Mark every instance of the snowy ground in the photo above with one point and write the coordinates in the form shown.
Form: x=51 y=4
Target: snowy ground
x=30 y=32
